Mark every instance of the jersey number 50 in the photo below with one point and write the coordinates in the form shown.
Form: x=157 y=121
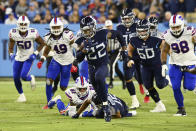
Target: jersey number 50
x=149 y=53
x=24 y=44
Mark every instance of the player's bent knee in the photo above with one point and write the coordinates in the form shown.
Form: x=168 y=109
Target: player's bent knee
x=160 y=86
x=24 y=77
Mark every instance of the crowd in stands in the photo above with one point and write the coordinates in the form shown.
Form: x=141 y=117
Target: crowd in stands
x=71 y=11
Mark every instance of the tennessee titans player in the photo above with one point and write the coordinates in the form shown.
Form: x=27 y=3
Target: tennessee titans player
x=148 y=50
x=117 y=107
x=179 y=43
x=24 y=38
x=94 y=48
x=128 y=29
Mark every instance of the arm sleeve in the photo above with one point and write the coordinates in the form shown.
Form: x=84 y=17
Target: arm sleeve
x=80 y=56
x=119 y=36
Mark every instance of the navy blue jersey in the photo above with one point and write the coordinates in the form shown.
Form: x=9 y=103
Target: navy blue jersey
x=148 y=51
x=128 y=33
x=97 y=46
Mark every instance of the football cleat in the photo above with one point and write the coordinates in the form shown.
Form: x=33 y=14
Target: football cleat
x=141 y=89
x=107 y=113
x=45 y=107
x=146 y=99
x=180 y=112
x=160 y=107
x=135 y=103
x=33 y=86
x=21 y=98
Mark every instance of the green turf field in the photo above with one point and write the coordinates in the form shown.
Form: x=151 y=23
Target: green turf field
x=29 y=116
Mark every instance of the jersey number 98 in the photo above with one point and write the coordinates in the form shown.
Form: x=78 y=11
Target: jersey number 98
x=181 y=47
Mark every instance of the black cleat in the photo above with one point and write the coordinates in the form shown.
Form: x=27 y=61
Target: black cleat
x=181 y=112
x=107 y=114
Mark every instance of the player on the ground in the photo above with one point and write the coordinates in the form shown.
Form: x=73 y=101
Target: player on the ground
x=148 y=49
x=94 y=47
x=128 y=29
x=59 y=40
x=117 y=107
x=76 y=95
x=24 y=38
x=179 y=43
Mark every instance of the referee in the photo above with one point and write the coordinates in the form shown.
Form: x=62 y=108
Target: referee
x=113 y=48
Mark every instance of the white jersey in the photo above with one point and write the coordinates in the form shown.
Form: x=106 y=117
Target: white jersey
x=181 y=49
x=63 y=51
x=74 y=97
x=25 y=45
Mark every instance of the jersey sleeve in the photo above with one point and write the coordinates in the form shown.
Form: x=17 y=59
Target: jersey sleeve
x=194 y=32
x=69 y=35
x=47 y=39
x=132 y=42
x=79 y=40
x=12 y=34
x=35 y=33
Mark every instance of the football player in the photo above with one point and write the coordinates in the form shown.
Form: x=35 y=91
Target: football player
x=179 y=42
x=117 y=107
x=76 y=95
x=148 y=49
x=60 y=40
x=24 y=38
x=128 y=29
x=94 y=47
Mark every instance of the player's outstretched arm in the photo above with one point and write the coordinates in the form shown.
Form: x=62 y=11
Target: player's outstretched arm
x=82 y=108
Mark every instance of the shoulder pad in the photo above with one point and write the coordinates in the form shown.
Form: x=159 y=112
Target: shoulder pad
x=100 y=28
x=13 y=30
x=32 y=30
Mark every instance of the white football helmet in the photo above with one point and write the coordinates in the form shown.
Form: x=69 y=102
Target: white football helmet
x=56 y=26
x=176 y=24
x=82 y=86
x=23 y=23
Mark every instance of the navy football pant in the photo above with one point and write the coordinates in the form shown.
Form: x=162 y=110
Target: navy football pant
x=97 y=77
x=21 y=70
x=128 y=76
x=176 y=77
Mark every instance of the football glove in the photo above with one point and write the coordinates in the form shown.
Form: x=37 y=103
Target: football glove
x=39 y=64
x=184 y=68
x=164 y=70
x=32 y=57
x=12 y=57
x=74 y=69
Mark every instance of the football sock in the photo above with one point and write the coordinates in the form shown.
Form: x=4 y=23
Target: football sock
x=18 y=85
x=131 y=88
x=49 y=92
x=154 y=94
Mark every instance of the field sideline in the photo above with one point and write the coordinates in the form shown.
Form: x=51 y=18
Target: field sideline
x=30 y=117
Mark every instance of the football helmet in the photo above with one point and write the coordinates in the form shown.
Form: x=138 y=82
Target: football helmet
x=56 y=26
x=88 y=26
x=127 y=17
x=142 y=28
x=81 y=86
x=176 y=24
x=153 y=21
x=23 y=23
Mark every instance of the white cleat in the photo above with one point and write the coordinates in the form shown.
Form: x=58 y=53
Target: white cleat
x=194 y=91
x=33 y=86
x=160 y=107
x=21 y=98
x=134 y=113
x=167 y=77
x=135 y=103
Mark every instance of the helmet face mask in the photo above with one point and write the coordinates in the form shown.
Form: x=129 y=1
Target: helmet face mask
x=153 y=21
x=127 y=17
x=88 y=26
x=143 y=29
x=56 y=26
x=23 y=23
x=81 y=86
x=176 y=24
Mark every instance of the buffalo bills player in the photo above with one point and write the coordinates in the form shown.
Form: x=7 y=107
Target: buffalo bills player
x=179 y=43
x=117 y=107
x=77 y=96
x=148 y=49
x=60 y=41
x=24 y=38
x=128 y=29
x=94 y=48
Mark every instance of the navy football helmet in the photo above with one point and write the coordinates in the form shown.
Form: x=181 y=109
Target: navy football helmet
x=153 y=21
x=127 y=17
x=142 y=28
x=88 y=26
